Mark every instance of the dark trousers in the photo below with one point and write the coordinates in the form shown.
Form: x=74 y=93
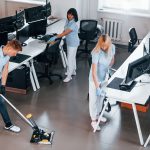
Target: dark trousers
x=4 y=112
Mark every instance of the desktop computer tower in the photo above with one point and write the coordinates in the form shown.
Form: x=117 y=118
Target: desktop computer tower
x=18 y=80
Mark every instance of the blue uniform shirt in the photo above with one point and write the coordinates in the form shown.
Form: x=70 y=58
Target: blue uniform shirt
x=102 y=60
x=72 y=38
x=3 y=61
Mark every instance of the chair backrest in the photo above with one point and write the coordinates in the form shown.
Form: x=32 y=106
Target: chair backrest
x=88 y=29
x=133 y=36
x=52 y=51
x=88 y=25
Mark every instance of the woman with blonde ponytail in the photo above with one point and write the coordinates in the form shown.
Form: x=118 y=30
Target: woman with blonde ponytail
x=102 y=59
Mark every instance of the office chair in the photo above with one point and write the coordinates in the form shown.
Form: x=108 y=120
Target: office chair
x=88 y=31
x=49 y=57
x=133 y=40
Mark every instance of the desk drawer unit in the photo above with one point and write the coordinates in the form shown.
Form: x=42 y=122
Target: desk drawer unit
x=18 y=80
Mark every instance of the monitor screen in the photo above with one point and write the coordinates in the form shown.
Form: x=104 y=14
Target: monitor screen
x=34 y=14
x=47 y=9
x=37 y=28
x=20 y=19
x=138 y=68
x=23 y=35
x=7 y=24
x=3 y=38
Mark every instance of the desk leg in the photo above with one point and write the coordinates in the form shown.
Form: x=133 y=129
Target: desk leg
x=64 y=58
x=99 y=119
x=34 y=75
x=137 y=124
x=32 y=81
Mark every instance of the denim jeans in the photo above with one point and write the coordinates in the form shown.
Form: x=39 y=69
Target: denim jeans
x=4 y=112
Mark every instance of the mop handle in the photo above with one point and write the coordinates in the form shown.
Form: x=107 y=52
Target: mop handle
x=29 y=117
x=20 y=114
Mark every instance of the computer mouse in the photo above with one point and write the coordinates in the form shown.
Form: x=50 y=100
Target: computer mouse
x=123 y=87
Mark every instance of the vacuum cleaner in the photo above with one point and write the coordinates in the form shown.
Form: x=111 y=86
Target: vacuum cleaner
x=39 y=136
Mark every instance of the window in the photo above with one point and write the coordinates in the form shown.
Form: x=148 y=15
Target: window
x=139 y=6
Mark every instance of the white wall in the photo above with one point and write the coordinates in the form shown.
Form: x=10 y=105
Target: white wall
x=11 y=7
x=140 y=23
x=60 y=7
x=2 y=8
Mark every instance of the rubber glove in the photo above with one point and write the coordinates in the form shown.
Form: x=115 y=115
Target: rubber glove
x=52 y=39
x=98 y=91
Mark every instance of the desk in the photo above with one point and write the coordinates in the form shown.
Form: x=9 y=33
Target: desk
x=34 y=48
x=138 y=95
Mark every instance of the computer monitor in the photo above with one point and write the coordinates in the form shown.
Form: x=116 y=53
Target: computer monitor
x=7 y=24
x=20 y=20
x=37 y=28
x=136 y=69
x=3 y=38
x=34 y=14
x=23 y=35
x=47 y=9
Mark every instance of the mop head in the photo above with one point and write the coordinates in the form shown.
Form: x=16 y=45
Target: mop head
x=41 y=137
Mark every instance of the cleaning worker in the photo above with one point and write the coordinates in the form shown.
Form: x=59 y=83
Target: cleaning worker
x=10 y=49
x=102 y=59
x=72 y=40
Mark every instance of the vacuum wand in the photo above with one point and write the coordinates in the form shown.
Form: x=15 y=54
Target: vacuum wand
x=20 y=114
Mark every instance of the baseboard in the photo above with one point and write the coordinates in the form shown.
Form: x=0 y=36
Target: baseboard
x=16 y=90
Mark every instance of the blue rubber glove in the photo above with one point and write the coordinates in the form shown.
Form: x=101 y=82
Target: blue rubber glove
x=98 y=91
x=52 y=39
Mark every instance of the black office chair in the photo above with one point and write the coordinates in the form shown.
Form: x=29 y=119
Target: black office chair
x=88 y=31
x=49 y=57
x=133 y=40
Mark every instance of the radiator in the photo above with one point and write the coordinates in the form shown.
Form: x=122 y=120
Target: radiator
x=113 y=28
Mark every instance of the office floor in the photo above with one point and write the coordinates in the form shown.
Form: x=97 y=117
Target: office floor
x=63 y=107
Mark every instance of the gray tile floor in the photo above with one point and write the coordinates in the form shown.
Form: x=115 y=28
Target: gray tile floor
x=64 y=108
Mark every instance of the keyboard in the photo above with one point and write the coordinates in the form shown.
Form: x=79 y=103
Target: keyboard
x=19 y=58
x=46 y=37
x=11 y=36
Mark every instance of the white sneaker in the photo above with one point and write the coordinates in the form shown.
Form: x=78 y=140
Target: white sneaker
x=13 y=128
x=103 y=119
x=93 y=124
x=67 y=79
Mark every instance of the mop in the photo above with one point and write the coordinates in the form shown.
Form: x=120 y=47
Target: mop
x=39 y=136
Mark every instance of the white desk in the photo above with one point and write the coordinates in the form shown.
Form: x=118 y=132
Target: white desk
x=34 y=48
x=138 y=95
